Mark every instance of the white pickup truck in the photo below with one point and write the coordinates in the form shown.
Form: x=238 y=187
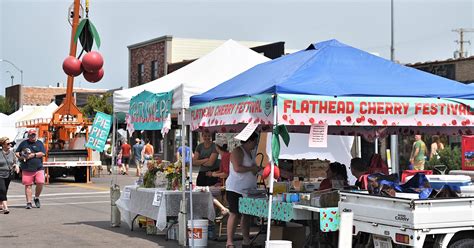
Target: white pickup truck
x=384 y=222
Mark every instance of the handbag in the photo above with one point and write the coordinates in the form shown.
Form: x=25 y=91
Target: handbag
x=12 y=171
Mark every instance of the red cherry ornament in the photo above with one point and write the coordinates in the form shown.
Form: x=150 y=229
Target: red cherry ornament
x=94 y=76
x=266 y=171
x=72 y=66
x=92 y=61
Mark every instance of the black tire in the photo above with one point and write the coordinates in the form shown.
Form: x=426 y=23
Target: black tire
x=80 y=174
x=463 y=243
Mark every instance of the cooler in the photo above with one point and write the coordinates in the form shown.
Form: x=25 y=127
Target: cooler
x=455 y=181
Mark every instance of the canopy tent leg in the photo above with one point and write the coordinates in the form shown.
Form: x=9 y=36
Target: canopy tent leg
x=272 y=171
x=183 y=213
x=191 y=186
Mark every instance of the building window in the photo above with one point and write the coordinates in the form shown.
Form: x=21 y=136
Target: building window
x=154 y=69
x=141 y=73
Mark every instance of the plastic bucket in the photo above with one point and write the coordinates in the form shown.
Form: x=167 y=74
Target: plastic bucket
x=199 y=233
x=278 y=244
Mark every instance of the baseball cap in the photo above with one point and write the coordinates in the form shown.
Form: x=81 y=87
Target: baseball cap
x=31 y=131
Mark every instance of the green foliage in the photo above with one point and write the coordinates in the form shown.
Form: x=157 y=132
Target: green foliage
x=97 y=103
x=450 y=157
x=6 y=106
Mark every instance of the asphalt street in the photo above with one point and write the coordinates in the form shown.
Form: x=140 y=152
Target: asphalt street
x=72 y=215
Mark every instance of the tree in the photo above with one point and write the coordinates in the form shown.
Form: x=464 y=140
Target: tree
x=97 y=103
x=6 y=106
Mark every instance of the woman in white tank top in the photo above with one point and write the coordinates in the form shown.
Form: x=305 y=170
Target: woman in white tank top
x=242 y=175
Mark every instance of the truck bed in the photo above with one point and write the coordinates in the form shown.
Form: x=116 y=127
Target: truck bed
x=409 y=213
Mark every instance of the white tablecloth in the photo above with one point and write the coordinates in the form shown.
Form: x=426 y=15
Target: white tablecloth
x=140 y=203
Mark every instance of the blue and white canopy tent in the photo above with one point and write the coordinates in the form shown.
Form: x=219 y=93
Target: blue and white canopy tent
x=331 y=83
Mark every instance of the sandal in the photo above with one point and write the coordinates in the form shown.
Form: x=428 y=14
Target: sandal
x=229 y=246
x=6 y=211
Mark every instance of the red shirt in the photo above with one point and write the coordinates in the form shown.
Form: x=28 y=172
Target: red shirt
x=126 y=148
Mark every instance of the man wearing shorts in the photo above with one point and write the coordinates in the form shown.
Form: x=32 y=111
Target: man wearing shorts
x=126 y=151
x=30 y=153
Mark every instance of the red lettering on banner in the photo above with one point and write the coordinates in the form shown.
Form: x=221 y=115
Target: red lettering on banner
x=350 y=107
x=332 y=107
x=442 y=106
x=462 y=109
x=388 y=108
x=362 y=106
x=340 y=108
x=380 y=108
x=453 y=109
x=294 y=109
x=426 y=107
x=304 y=107
x=397 y=109
x=323 y=107
x=286 y=105
x=372 y=108
x=434 y=109
x=313 y=106
x=405 y=108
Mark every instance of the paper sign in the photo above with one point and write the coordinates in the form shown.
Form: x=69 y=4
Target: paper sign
x=248 y=130
x=157 y=198
x=126 y=193
x=318 y=136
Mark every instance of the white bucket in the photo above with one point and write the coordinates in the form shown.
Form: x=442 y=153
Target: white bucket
x=278 y=244
x=200 y=233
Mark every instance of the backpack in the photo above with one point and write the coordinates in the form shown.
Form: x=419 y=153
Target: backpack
x=377 y=165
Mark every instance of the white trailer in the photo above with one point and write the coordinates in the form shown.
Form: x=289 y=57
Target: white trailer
x=385 y=222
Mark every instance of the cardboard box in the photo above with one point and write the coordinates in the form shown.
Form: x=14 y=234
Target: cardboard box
x=296 y=233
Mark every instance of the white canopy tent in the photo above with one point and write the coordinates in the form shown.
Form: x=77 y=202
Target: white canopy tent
x=38 y=114
x=225 y=62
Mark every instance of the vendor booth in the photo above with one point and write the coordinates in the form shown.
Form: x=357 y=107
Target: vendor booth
x=172 y=93
x=335 y=86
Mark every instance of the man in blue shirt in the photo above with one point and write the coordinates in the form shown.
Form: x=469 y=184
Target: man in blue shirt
x=137 y=155
x=30 y=153
x=179 y=153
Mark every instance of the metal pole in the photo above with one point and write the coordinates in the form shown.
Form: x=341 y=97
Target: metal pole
x=16 y=67
x=392 y=46
x=393 y=137
x=114 y=130
x=191 y=185
x=272 y=171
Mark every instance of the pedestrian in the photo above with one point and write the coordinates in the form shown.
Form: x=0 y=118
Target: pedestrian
x=137 y=155
x=108 y=156
x=30 y=152
x=147 y=154
x=205 y=156
x=418 y=153
x=179 y=153
x=7 y=167
x=242 y=176
x=126 y=150
x=436 y=146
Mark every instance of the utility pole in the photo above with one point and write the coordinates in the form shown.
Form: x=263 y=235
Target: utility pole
x=461 y=40
x=392 y=46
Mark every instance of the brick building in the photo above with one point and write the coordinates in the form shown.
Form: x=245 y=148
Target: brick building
x=35 y=95
x=461 y=70
x=155 y=58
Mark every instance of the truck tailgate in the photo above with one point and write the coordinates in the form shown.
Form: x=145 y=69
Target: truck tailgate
x=409 y=213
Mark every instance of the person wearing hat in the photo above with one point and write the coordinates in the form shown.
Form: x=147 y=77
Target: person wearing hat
x=7 y=166
x=137 y=155
x=108 y=156
x=30 y=152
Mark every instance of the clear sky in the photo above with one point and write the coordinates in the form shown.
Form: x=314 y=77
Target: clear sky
x=35 y=34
